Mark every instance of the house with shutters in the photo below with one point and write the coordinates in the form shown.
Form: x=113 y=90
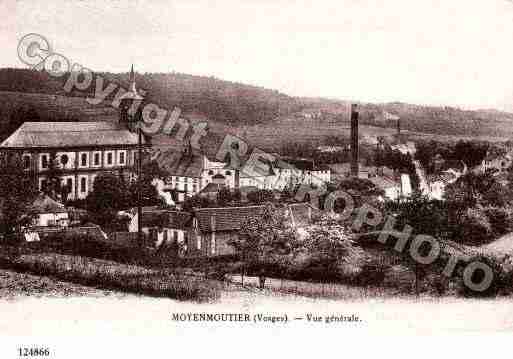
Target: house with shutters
x=212 y=229
x=49 y=212
x=79 y=150
x=191 y=173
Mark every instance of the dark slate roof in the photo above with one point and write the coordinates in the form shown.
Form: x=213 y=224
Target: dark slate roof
x=209 y=143
x=300 y=163
x=212 y=188
x=69 y=134
x=166 y=218
x=179 y=164
x=226 y=218
x=248 y=171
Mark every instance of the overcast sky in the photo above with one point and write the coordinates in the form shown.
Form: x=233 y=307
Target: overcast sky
x=448 y=52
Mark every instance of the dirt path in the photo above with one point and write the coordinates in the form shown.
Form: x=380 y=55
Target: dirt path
x=313 y=290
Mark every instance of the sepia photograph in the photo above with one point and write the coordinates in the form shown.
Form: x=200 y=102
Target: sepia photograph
x=200 y=172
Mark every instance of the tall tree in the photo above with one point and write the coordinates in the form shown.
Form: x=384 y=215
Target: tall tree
x=54 y=187
x=17 y=193
x=149 y=194
x=261 y=196
x=110 y=192
x=263 y=239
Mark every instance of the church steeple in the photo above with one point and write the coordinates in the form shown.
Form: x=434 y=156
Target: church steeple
x=127 y=102
x=132 y=80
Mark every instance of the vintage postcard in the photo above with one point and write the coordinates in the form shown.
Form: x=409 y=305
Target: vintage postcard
x=258 y=169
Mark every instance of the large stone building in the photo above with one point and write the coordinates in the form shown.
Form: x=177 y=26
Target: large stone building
x=191 y=173
x=78 y=151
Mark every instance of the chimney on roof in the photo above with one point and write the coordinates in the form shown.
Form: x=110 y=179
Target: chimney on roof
x=354 y=141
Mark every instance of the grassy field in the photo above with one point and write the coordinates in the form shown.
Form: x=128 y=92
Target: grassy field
x=110 y=275
x=14 y=284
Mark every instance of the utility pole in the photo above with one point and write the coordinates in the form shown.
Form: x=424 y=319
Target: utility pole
x=139 y=182
x=354 y=141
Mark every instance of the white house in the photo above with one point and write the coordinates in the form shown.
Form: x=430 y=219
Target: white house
x=49 y=212
x=437 y=183
x=190 y=173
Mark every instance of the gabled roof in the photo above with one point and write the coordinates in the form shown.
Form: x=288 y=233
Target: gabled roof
x=212 y=188
x=300 y=163
x=165 y=218
x=225 y=218
x=180 y=164
x=69 y=134
x=231 y=218
x=264 y=170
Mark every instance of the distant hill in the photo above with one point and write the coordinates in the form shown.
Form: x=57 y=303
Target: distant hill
x=224 y=101
x=438 y=120
x=259 y=112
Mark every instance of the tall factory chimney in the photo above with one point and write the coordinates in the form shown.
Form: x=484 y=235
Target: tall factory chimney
x=354 y=141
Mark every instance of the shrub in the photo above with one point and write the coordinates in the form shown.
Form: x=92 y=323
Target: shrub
x=112 y=276
x=499 y=219
x=437 y=284
x=371 y=274
x=260 y=196
x=474 y=228
x=502 y=283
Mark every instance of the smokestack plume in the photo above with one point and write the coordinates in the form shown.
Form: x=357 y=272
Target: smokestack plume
x=354 y=141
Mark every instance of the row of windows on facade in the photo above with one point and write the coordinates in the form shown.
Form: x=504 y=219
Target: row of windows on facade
x=69 y=184
x=84 y=159
x=227 y=173
x=195 y=180
x=169 y=234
